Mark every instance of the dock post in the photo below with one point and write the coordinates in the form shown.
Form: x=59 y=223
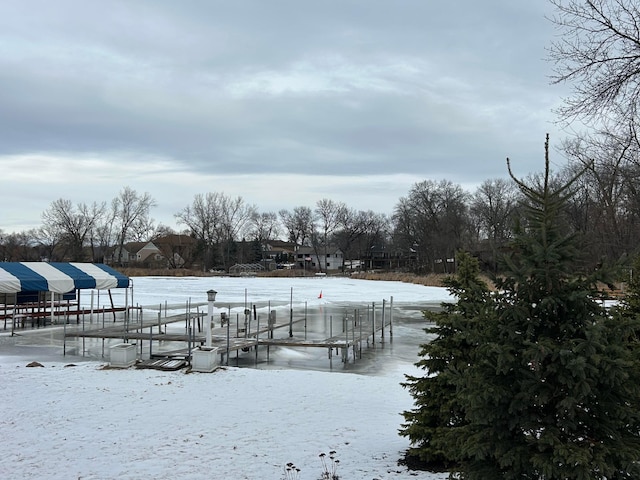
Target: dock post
x=291 y=315
x=91 y=307
x=83 y=337
x=290 y=322
x=360 y=342
x=330 y=326
x=345 y=351
x=141 y=331
x=257 y=335
x=384 y=301
x=391 y=317
x=237 y=334
x=355 y=324
x=368 y=315
x=189 y=343
x=103 y=327
x=353 y=334
x=373 y=323
x=228 y=335
x=151 y=338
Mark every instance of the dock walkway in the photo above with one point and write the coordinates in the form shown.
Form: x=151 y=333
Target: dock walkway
x=163 y=335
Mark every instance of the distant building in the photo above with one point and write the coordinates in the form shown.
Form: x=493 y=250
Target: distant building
x=135 y=254
x=279 y=251
x=332 y=259
x=178 y=250
x=245 y=269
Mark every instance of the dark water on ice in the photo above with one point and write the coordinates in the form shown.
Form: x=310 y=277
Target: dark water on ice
x=399 y=345
x=386 y=353
x=324 y=319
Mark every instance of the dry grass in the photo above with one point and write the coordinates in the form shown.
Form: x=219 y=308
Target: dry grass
x=430 y=280
x=163 y=272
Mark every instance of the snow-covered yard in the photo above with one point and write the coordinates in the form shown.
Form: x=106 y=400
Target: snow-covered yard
x=75 y=418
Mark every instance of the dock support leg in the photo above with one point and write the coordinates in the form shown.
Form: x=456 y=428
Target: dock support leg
x=382 y=329
x=373 y=323
x=391 y=317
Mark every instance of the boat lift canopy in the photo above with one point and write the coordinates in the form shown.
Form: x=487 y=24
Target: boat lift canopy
x=58 y=277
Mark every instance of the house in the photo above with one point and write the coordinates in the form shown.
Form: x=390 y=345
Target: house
x=178 y=250
x=280 y=251
x=135 y=254
x=311 y=259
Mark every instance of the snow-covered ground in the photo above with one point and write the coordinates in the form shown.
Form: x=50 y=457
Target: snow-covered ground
x=77 y=418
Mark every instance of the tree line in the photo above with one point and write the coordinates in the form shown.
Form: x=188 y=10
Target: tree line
x=598 y=52
x=425 y=230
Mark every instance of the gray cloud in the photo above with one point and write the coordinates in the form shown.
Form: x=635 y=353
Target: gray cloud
x=338 y=88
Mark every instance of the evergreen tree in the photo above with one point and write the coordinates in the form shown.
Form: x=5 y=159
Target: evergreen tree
x=551 y=387
x=438 y=413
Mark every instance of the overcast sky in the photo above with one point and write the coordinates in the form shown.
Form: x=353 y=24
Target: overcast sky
x=281 y=102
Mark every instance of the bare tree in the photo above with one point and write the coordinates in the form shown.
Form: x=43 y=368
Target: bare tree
x=264 y=227
x=359 y=231
x=103 y=237
x=299 y=224
x=131 y=217
x=433 y=221
x=598 y=51
x=492 y=207
x=608 y=207
x=179 y=249
x=49 y=237
x=19 y=246
x=203 y=218
x=74 y=226
x=161 y=230
x=236 y=215
x=4 y=253
x=216 y=220
x=329 y=215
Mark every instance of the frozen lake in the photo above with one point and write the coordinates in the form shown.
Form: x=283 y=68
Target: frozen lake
x=324 y=303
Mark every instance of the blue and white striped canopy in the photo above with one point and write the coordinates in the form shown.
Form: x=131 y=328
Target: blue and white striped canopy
x=58 y=277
